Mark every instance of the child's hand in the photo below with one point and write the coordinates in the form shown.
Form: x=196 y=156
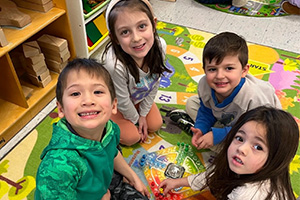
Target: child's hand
x=143 y=128
x=206 y=141
x=106 y=196
x=169 y=184
x=196 y=136
x=139 y=186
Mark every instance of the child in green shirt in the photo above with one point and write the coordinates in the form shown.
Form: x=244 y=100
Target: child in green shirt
x=82 y=155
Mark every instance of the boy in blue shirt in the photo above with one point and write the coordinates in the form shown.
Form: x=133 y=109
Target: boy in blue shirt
x=225 y=92
x=82 y=155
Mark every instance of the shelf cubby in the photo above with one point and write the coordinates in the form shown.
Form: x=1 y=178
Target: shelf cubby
x=15 y=110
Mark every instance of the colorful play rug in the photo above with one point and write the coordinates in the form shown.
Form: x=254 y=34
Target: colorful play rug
x=184 y=58
x=254 y=8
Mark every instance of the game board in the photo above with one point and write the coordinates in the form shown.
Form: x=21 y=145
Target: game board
x=184 y=58
x=172 y=162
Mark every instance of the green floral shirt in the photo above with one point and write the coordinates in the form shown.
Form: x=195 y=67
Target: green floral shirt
x=73 y=167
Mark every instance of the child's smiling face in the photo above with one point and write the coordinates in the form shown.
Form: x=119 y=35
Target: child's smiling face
x=224 y=77
x=248 y=151
x=87 y=104
x=134 y=33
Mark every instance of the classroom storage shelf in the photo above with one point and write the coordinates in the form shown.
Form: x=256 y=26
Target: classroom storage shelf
x=97 y=10
x=15 y=110
x=89 y=30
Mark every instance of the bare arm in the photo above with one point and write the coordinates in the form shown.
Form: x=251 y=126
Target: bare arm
x=169 y=184
x=143 y=128
x=123 y=168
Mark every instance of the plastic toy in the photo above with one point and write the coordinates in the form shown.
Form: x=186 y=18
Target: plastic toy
x=173 y=162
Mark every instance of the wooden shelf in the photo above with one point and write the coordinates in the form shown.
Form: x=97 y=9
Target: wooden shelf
x=16 y=36
x=16 y=110
x=78 y=22
x=11 y=112
x=96 y=11
x=14 y=117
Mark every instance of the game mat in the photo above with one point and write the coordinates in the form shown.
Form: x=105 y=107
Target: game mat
x=254 y=8
x=172 y=162
x=184 y=58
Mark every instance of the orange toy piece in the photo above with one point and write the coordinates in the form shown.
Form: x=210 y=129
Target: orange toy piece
x=10 y=15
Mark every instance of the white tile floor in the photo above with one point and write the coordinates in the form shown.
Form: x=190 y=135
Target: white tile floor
x=280 y=32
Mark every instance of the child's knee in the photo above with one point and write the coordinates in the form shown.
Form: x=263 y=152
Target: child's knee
x=155 y=125
x=192 y=106
x=130 y=139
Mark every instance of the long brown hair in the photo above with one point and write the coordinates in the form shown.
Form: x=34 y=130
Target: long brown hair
x=282 y=140
x=154 y=59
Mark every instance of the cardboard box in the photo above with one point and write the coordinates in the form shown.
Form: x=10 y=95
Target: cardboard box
x=51 y=42
x=31 y=49
x=32 y=60
x=34 y=6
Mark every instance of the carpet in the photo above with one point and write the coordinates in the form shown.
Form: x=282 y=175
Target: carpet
x=184 y=55
x=254 y=8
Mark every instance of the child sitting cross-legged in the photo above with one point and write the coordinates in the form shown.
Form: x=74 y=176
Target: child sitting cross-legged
x=82 y=155
x=135 y=57
x=224 y=93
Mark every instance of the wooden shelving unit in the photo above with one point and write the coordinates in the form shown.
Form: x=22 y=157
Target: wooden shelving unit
x=79 y=21
x=15 y=110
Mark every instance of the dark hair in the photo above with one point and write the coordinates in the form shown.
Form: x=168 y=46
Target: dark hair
x=154 y=59
x=92 y=67
x=282 y=139
x=225 y=44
